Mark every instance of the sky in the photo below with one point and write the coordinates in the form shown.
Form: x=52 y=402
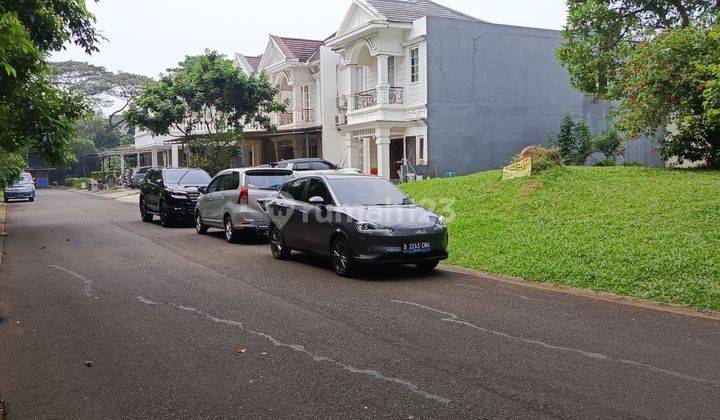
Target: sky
x=149 y=36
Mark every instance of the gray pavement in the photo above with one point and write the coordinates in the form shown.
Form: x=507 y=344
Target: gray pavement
x=177 y=324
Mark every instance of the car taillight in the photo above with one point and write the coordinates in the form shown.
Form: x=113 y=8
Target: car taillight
x=243 y=199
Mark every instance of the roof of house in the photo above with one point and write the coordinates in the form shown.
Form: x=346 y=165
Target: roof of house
x=411 y=10
x=302 y=49
x=254 y=61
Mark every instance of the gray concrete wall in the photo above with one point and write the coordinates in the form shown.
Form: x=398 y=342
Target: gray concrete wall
x=494 y=89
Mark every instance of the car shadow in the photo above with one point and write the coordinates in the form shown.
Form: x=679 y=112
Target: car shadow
x=246 y=239
x=370 y=273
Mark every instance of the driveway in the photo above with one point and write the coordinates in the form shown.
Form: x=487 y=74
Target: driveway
x=176 y=324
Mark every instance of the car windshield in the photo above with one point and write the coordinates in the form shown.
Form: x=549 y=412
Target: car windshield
x=266 y=181
x=366 y=191
x=26 y=179
x=142 y=171
x=187 y=177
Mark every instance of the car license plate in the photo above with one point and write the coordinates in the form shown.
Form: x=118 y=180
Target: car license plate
x=416 y=247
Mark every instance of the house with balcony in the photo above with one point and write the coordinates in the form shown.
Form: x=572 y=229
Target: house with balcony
x=423 y=84
x=293 y=65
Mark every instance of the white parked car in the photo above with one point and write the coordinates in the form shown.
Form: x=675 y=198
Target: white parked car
x=313 y=166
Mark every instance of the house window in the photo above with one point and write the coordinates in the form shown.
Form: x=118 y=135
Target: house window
x=421 y=150
x=391 y=71
x=360 y=79
x=415 y=65
x=305 y=95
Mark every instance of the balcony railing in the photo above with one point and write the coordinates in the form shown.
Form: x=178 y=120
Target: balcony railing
x=397 y=95
x=306 y=115
x=365 y=99
x=342 y=102
x=285 y=118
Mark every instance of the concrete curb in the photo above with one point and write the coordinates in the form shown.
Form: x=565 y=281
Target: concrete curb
x=602 y=296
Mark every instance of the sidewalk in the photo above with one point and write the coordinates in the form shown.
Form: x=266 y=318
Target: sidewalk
x=124 y=196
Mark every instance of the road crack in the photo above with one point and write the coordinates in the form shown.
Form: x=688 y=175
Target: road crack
x=302 y=350
x=455 y=319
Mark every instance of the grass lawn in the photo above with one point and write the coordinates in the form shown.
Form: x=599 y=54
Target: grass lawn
x=648 y=233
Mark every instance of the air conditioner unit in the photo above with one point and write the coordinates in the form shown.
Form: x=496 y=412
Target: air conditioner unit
x=340 y=119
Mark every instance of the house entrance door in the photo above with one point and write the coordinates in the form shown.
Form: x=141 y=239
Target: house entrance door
x=396 y=157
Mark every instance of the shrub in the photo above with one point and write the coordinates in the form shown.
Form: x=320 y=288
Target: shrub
x=574 y=141
x=542 y=158
x=77 y=182
x=633 y=163
x=609 y=144
x=606 y=162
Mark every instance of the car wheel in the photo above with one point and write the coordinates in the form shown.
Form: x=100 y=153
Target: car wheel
x=278 y=246
x=165 y=218
x=144 y=215
x=231 y=235
x=341 y=261
x=427 y=266
x=200 y=227
x=31 y=199
x=5 y=199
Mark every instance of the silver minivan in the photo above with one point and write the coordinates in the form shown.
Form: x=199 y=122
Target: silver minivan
x=235 y=200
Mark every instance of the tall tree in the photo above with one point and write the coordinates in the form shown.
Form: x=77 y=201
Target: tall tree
x=641 y=53
x=33 y=112
x=205 y=96
x=100 y=86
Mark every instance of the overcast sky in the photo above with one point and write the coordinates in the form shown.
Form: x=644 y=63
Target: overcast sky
x=149 y=36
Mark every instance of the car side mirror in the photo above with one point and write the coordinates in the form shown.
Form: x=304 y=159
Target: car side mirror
x=317 y=201
x=202 y=190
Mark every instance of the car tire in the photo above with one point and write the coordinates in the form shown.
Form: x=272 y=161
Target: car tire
x=5 y=199
x=144 y=214
x=231 y=235
x=278 y=247
x=340 y=254
x=200 y=227
x=427 y=266
x=166 y=220
x=31 y=199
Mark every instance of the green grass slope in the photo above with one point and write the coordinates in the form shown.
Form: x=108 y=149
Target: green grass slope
x=648 y=233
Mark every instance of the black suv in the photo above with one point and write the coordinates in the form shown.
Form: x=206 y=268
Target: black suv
x=171 y=193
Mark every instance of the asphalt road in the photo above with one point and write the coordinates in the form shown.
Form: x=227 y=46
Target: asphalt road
x=177 y=324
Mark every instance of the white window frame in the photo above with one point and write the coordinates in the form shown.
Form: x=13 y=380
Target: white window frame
x=415 y=64
x=360 y=79
x=392 y=73
x=305 y=96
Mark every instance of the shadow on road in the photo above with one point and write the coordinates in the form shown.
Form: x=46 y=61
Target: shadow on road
x=374 y=273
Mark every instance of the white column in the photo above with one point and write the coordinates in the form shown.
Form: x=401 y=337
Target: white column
x=349 y=155
x=297 y=103
x=382 y=139
x=154 y=157
x=350 y=74
x=175 y=155
x=383 y=84
x=366 y=165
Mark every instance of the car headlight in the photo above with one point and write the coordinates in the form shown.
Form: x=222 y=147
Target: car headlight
x=439 y=221
x=371 y=227
x=179 y=195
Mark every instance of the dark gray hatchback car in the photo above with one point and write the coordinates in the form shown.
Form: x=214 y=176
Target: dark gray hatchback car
x=354 y=220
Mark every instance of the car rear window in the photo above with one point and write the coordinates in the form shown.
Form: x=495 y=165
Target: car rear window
x=142 y=170
x=186 y=177
x=266 y=180
x=321 y=166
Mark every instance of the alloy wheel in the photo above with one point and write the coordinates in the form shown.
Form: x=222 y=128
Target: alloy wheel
x=277 y=245
x=199 y=225
x=340 y=257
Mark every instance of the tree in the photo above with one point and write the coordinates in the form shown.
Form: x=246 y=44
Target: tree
x=95 y=128
x=205 y=96
x=641 y=54
x=665 y=84
x=33 y=112
x=574 y=141
x=101 y=87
